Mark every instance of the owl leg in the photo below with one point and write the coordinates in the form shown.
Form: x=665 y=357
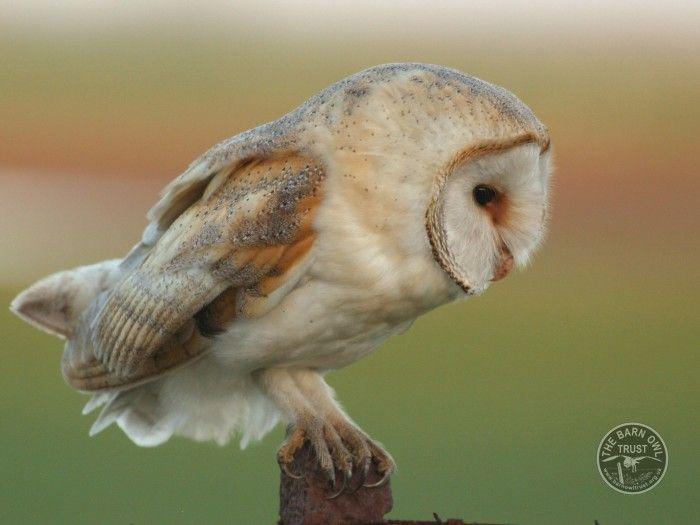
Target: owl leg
x=364 y=449
x=315 y=416
x=306 y=424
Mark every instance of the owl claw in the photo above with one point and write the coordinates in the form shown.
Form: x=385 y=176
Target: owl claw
x=285 y=455
x=362 y=475
x=337 y=448
x=385 y=465
x=285 y=468
x=329 y=473
x=343 y=486
x=385 y=477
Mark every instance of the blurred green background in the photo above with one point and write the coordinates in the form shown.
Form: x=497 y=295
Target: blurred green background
x=493 y=408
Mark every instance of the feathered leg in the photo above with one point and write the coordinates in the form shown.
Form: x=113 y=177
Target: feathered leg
x=308 y=405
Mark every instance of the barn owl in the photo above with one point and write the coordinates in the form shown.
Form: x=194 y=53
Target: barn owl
x=297 y=248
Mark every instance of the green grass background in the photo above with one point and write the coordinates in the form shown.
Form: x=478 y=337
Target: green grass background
x=493 y=408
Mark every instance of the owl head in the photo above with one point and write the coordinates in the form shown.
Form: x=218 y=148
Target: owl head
x=475 y=152
x=457 y=165
x=488 y=209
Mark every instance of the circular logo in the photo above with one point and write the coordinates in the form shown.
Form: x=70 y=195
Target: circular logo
x=632 y=458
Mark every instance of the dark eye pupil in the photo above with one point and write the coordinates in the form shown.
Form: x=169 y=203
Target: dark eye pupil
x=484 y=194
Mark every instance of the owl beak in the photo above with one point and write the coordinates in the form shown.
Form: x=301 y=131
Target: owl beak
x=505 y=265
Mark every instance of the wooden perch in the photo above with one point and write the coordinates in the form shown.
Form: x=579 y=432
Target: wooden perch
x=305 y=501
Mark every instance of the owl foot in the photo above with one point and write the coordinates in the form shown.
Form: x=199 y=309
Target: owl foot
x=339 y=448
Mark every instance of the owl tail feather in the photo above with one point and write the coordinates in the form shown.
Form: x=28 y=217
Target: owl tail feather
x=54 y=304
x=201 y=401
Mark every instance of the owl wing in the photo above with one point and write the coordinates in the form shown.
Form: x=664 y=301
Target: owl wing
x=220 y=247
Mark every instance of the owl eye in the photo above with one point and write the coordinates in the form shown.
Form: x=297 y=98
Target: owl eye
x=484 y=194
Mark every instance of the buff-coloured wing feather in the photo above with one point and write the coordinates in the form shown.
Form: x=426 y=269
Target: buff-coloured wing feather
x=228 y=254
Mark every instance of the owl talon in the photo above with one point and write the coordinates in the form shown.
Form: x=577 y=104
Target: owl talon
x=285 y=455
x=362 y=476
x=379 y=483
x=285 y=468
x=343 y=486
x=329 y=474
x=385 y=465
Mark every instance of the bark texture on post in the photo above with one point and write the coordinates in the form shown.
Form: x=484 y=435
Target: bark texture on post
x=305 y=501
